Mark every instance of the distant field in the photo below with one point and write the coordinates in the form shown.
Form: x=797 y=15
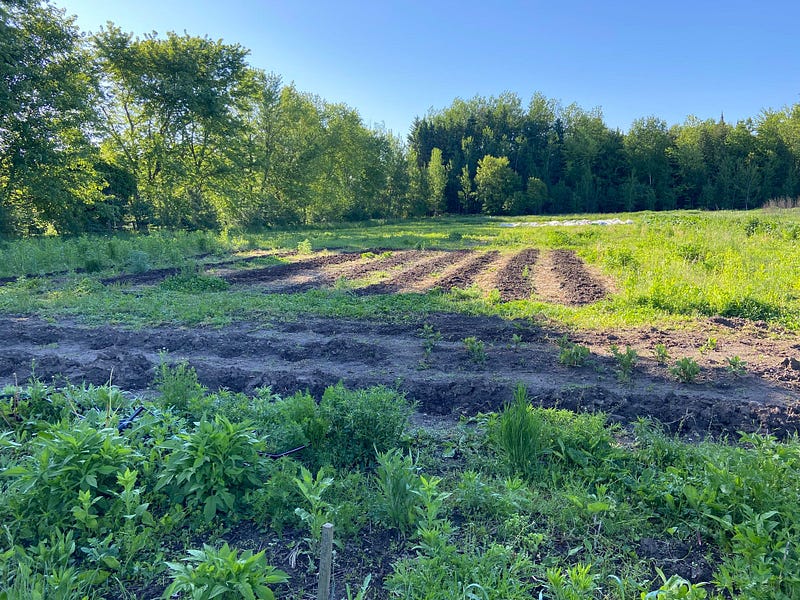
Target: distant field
x=664 y=268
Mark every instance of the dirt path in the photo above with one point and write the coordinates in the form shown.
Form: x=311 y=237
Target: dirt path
x=315 y=352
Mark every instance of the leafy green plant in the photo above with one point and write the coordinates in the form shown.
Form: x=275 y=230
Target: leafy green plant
x=577 y=583
x=304 y=247
x=709 y=345
x=212 y=466
x=736 y=366
x=661 y=354
x=685 y=369
x=476 y=349
x=571 y=354
x=361 y=422
x=225 y=574
x=626 y=361
x=179 y=385
x=397 y=475
x=675 y=588
x=432 y=501
x=274 y=502
x=319 y=511
x=430 y=337
x=138 y=262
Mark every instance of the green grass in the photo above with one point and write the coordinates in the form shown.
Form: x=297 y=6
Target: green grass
x=668 y=268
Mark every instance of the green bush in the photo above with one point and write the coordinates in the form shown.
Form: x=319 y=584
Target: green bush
x=571 y=354
x=361 y=422
x=224 y=574
x=194 y=283
x=274 y=502
x=685 y=369
x=179 y=386
x=213 y=466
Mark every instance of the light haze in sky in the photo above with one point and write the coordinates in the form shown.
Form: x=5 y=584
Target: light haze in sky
x=393 y=61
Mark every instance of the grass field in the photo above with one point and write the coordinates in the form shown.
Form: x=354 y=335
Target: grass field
x=444 y=475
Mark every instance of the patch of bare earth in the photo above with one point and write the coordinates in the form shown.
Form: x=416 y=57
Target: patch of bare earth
x=514 y=280
x=316 y=352
x=466 y=273
x=561 y=277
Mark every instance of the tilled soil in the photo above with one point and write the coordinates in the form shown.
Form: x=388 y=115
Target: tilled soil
x=313 y=353
x=516 y=276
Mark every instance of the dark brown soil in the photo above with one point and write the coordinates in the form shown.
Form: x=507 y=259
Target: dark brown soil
x=415 y=273
x=577 y=285
x=513 y=281
x=468 y=273
x=316 y=352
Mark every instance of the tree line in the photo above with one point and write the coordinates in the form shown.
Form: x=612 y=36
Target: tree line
x=111 y=131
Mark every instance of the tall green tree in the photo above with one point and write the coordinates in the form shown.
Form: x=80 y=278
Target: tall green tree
x=496 y=183
x=172 y=103
x=47 y=115
x=437 y=182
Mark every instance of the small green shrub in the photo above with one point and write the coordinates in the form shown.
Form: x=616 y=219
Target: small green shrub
x=685 y=369
x=572 y=354
x=138 y=262
x=318 y=511
x=304 y=247
x=179 y=386
x=213 y=466
x=736 y=366
x=275 y=501
x=577 y=583
x=224 y=574
x=661 y=354
x=361 y=422
x=476 y=349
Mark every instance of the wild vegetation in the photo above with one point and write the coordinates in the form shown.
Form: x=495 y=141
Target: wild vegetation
x=528 y=501
x=112 y=132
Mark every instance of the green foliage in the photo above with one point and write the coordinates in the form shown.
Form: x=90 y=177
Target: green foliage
x=275 y=501
x=476 y=349
x=675 y=588
x=685 y=369
x=68 y=459
x=522 y=434
x=397 y=475
x=736 y=366
x=225 y=574
x=319 y=511
x=193 y=283
x=571 y=354
x=578 y=583
x=304 y=247
x=212 y=466
x=626 y=361
x=661 y=354
x=179 y=386
x=709 y=345
x=361 y=422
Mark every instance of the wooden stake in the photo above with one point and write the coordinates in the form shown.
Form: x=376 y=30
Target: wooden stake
x=325 y=562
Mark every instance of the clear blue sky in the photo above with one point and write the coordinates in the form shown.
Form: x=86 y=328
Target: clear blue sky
x=392 y=60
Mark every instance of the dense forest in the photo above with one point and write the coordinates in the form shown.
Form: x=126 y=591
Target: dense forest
x=110 y=131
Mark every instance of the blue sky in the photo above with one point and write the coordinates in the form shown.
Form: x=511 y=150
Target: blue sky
x=394 y=60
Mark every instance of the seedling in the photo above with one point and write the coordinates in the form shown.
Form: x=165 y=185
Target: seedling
x=626 y=361
x=660 y=354
x=685 y=369
x=430 y=338
x=709 y=346
x=572 y=354
x=476 y=349
x=736 y=366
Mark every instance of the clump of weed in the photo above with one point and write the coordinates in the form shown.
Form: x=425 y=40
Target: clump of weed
x=476 y=349
x=430 y=337
x=397 y=476
x=626 y=361
x=522 y=434
x=179 y=386
x=661 y=354
x=138 y=262
x=194 y=283
x=455 y=236
x=709 y=345
x=736 y=366
x=304 y=247
x=516 y=342
x=572 y=354
x=685 y=369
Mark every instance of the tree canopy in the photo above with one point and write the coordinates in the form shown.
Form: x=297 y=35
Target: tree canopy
x=112 y=131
